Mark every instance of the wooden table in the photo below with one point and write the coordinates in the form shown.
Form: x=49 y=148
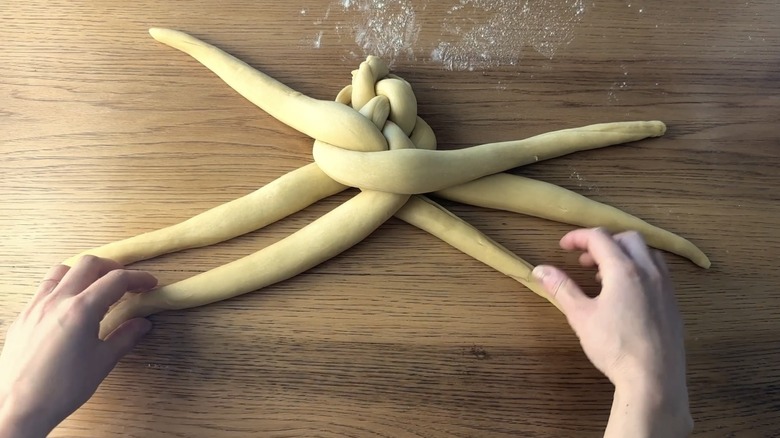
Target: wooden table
x=105 y=133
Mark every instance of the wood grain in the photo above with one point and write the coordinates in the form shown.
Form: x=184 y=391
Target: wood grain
x=105 y=133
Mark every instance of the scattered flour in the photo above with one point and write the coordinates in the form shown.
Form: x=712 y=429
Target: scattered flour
x=581 y=181
x=545 y=25
x=619 y=85
x=385 y=28
x=390 y=29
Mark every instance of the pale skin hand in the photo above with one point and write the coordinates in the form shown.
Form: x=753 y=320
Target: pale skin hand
x=632 y=331
x=52 y=361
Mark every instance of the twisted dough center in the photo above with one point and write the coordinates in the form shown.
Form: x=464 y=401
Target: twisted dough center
x=389 y=102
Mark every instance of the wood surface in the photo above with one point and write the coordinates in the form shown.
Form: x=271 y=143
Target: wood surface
x=105 y=133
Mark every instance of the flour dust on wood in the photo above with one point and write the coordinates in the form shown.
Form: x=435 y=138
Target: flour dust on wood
x=385 y=28
x=511 y=26
x=473 y=34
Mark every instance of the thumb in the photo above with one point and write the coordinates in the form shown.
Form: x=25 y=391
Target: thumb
x=561 y=289
x=125 y=337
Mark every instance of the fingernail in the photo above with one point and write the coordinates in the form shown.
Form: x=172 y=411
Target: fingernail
x=540 y=272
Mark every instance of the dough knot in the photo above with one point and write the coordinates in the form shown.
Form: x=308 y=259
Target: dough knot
x=389 y=102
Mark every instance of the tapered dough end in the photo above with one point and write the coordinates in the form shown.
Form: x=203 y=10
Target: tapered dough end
x=159 y=33
x=702 y=260
x=659 y=128
x=643 y=128
x=175 y=38
x=71 y=261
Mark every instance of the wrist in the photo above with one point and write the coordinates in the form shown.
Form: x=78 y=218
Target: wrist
x=649 y=408
x=14 y=424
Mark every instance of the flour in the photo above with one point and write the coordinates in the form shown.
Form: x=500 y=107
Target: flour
x=387 y=29
x=390 y=29
x=384 y=28
x=621 y=85
x=544 y=25
x=581 y=181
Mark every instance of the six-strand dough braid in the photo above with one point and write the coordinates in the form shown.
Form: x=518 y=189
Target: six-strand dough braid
x=370 y=138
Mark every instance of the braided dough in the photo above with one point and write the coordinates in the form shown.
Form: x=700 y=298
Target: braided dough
x=371 y=138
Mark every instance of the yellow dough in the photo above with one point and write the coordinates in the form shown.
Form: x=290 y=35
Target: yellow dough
x=518 y=194
x=328 y=236
x=415 y=171
x=321 y=119
x=370 y=137
x=278 y=199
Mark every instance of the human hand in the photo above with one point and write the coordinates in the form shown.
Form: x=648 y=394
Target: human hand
x=632 y=331
x=53 y=361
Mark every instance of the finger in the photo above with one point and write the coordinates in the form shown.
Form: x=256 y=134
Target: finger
x=660 y=263
x=107 y=290
x=84 y=273
x=599 y=244
x=119 y=342
x=663 y=269
x=562 y=289
x=586 y=260
x=51 y=280
x=634 y=245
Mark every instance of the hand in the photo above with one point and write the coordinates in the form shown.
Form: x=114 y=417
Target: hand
x=632 y=331
x=53 y=361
